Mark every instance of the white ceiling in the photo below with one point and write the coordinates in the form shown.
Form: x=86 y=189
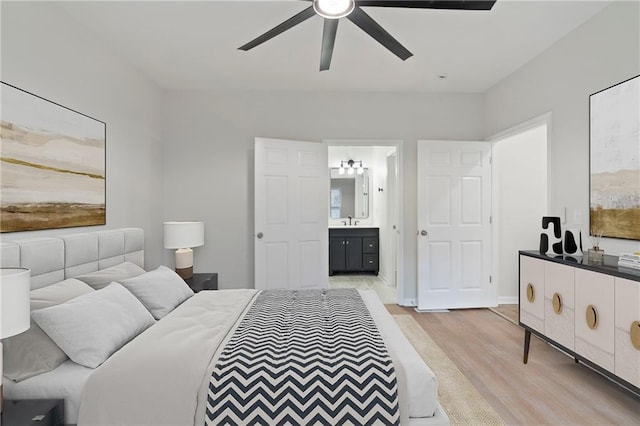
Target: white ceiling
x=192 y=45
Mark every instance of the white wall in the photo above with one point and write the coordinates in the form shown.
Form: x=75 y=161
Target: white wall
x=46 y=52
x=602 y=52
x=208 y=159
x=194 y=158
x=520 y=162
x=209 y=148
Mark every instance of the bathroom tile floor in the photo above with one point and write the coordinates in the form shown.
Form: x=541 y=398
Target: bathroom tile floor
x=386 y=293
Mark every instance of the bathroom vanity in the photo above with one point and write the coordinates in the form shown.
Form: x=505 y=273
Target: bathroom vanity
x=354 y=249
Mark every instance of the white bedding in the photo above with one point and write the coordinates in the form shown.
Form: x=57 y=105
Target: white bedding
x=158 y=378
x=136 y=386
x=66 y=381
x=420 y=384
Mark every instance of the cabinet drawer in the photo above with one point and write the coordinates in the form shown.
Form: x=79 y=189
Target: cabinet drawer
x=559 y=303
x=595 y=293
x=627 y=303
x=370 y=262
x=370 y=245
x=532 y=292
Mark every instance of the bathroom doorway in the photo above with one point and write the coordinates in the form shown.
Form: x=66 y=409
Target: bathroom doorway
x=380 y=208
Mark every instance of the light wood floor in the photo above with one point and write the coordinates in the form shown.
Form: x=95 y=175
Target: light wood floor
x=550 y=390
x=510 y=312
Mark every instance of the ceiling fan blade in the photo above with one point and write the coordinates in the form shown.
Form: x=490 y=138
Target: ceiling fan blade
x=371 y=27
x=328 y=40
x=279 y=29
x=431 y=4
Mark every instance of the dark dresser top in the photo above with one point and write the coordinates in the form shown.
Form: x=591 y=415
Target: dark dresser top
x=609 y=266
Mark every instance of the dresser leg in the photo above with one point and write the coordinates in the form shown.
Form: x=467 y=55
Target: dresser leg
x=527 y=342
x=576 y=360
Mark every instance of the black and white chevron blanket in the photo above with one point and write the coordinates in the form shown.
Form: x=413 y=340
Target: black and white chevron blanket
x=308 y=357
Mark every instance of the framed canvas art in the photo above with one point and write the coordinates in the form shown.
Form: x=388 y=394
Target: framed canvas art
x=52 y=164
x=614 y=136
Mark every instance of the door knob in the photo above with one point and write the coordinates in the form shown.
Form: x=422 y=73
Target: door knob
x=259 y=235
x=424 y=233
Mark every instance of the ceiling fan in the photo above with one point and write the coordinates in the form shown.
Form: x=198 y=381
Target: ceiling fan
x=333 y=10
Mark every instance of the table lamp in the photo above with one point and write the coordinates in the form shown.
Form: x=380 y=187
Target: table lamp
x=183 y=236
x=15 y=314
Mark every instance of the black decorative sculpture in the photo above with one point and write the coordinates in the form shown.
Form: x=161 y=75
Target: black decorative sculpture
x=573 y=242
x=551 y=241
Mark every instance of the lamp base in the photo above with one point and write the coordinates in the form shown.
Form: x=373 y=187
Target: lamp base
x=185 y=273
x=184 y=263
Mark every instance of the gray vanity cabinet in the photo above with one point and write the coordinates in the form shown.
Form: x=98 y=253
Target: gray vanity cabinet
x=353 y=250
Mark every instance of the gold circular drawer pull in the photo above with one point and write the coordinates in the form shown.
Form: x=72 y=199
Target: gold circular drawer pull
x=531 y=294
x=557 y=303
x=635 y=334
x=592 y=317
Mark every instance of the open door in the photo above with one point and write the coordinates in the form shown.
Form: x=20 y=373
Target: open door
x=291 y=220
x=454 y=225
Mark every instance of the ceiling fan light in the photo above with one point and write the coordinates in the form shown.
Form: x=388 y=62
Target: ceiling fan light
x=333 y=9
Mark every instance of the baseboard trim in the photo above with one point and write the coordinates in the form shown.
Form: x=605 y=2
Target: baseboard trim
x=422 y=311
x=508 y=300
x=407 y=303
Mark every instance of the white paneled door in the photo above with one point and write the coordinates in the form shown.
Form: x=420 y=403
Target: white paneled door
x=454 y=225
x=291 y=214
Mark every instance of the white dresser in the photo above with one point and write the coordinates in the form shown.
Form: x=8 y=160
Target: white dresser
x=590 y=311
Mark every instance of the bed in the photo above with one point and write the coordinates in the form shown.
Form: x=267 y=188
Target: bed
x=164 y=375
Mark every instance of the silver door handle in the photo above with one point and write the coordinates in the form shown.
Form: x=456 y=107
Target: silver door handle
x=424 y=233
x=259 y=235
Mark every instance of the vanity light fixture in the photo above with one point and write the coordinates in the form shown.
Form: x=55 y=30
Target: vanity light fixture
x=351 y=167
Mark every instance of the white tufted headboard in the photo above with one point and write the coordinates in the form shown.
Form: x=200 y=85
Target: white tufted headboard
x=54 y=259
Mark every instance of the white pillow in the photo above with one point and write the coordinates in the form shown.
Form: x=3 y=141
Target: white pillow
x=160 y=290
x=33 y=352
x=104 y=277
x=91 y=327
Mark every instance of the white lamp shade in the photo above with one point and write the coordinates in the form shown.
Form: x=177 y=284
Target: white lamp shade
x=14 y=301
x=183 y=234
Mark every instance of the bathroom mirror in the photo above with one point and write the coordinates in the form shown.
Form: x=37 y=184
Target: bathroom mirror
x=349 y=195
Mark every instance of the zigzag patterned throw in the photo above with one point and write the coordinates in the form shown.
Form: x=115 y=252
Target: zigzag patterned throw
x=304 y=358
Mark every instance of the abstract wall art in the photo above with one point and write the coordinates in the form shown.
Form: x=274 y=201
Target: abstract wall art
x=52 y=164
x=614 y=134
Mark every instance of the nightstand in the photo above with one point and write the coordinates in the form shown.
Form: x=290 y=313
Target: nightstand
x=206 y=281
x=33 y=412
